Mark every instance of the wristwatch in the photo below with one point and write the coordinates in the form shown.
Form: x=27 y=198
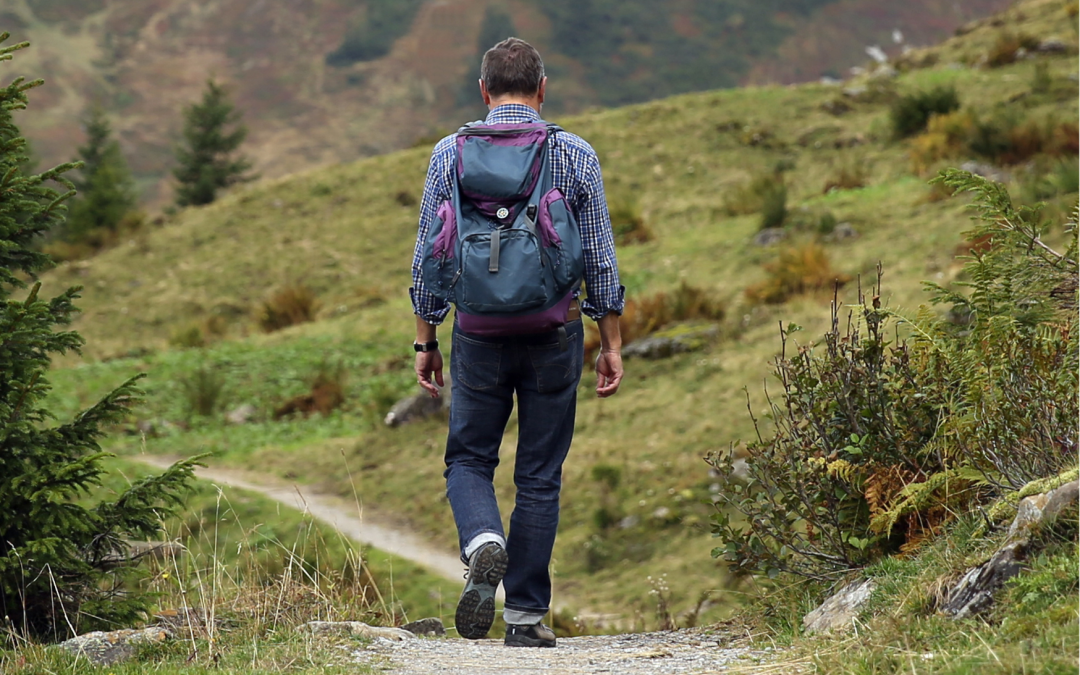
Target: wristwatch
x=426 y=346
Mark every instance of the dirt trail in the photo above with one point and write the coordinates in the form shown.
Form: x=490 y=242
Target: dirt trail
x=367 y=526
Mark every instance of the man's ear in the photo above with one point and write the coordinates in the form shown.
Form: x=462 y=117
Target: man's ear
x=542 y=90
x=484 y=93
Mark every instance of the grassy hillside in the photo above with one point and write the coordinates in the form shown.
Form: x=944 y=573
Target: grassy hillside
x=329 y=81
x=681 y=165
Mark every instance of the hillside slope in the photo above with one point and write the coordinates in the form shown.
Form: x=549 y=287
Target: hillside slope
x=326 y=81
x=347 y=232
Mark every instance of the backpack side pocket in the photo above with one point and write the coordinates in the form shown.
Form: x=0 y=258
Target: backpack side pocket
x=439 y=264
x=561 y=238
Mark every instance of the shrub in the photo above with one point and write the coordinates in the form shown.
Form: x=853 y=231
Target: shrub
x=774 y=206
x=909 y=114
x=1006 y=48
x=64 y=563
x=327 y=394
x=795 y=271
x=290 y=306
x=628 y=223
x=851 y=174
x=750 y=197
x=876 y=444
x=945 y=137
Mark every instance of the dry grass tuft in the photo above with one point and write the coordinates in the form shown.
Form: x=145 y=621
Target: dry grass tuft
x=796 y=271
x=290 y=306
x=327 y=394
x=643 y=316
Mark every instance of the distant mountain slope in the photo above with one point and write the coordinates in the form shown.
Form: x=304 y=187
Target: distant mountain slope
x=324 y=81
x=837 y=35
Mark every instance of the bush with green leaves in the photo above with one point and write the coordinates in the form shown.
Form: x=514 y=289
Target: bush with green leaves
x=877 y=442
x=64 y=559
x=909 y=114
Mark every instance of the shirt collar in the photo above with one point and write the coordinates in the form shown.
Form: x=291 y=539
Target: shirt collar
x=511 y=113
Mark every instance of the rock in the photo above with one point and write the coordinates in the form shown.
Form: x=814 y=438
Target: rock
x=853 y=92
x=668 y=343
x=986 y=171
x=770 y=236
x=835 y=107
x=241 y=415
x=105 y=648
x=430 y=626
x=418 y=407
x=356 y=628
x=975 y=591
x=838 y=612
x=885 y=72
x=842 y=232
x=629 y=522
x=1052 y=46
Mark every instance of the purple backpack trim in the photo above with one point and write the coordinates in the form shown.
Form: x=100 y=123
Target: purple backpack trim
x=547 y=228
x=496 y=326
x=444 y=243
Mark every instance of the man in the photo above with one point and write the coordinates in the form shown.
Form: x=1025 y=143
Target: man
x=542 y=369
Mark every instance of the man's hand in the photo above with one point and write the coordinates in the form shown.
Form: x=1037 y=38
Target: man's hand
x=428 y=367
x=609 y=373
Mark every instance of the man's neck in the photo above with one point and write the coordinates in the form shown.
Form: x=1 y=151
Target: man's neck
x=508 y=100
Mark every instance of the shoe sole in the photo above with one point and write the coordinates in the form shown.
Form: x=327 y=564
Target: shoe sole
x=476 y=608
x=523 y=641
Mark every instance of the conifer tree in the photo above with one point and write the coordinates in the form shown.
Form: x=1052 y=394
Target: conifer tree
x=62 y=561
x=106 y=191
x=208 y=161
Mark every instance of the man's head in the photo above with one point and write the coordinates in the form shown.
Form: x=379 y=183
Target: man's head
x=512 y=71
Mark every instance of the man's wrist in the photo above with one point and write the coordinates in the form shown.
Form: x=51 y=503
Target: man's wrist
x=426 y=346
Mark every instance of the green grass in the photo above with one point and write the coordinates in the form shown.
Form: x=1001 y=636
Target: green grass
x=342 y=232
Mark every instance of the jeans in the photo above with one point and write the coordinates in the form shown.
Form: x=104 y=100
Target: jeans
x=486 y=373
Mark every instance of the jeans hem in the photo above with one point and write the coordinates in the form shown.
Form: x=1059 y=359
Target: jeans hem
x=482 y=537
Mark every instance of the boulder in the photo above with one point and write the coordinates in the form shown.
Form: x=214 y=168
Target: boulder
x=356 y=628
x=840 y=610
x=974 y=592
x=670 y=342
x=242 y=414
x=1052 y=46
x=770 y=236
x=105 y=648
x=431 y=626
x=419 y=406
x=988 y=171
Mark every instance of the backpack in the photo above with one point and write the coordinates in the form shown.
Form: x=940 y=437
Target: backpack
x=505 y=248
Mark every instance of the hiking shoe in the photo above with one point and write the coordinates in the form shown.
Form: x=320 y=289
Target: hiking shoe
x=529 y=636
x=476 y=607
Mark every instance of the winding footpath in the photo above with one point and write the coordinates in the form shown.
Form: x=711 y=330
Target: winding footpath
x=681 y=652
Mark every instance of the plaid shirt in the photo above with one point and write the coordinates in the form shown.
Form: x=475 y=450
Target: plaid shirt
x=576 y=172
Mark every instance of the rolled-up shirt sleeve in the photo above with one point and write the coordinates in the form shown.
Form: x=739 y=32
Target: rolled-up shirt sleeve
x=604 y=294
x=436 y=190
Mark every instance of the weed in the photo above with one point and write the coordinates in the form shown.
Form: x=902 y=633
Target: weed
x=909 y=114
x=405 y=198
x=774 y=207
x=292 y=305
x=204 y=391
x=852 y=173
x=628 y=223
x=750 y=197
x=796 y=270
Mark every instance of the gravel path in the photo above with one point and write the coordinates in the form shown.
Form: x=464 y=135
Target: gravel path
x=664 y=653
x=366 y=525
